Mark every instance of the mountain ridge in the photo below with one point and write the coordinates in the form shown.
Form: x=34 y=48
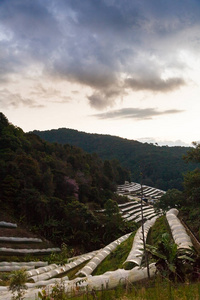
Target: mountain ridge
x=162 y=166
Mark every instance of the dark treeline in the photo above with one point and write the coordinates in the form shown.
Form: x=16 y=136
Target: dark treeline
x=162 y=167
x=54 y=188
x=188 y=200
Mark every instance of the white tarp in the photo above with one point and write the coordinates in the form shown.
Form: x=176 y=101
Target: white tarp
x=180 y=236
x=13 y=266
x=41 y=270
x=10 y=251
x=101 y=255
x=136 y=252
x=8 y=225
x=59 y=269
x=29 y=263
x=11 y=239
x=108 y=280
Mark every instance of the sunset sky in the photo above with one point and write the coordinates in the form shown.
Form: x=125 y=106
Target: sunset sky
x=129 y=68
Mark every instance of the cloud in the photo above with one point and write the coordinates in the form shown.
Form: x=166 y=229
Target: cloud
x=50 y=94
x=11 y=100
x=154 y=84
x=135 y=113
x=98 y=100
x=31 y=26
x=160 y=142
x=103 y=98
x=40 y=91
x=110 y=46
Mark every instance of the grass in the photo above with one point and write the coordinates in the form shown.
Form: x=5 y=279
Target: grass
x=115 y=259
x=157 y=230
x=72 y=273
x=154 y=289
x=4 y=278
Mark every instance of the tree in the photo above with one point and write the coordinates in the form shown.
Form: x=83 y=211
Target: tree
x=114 y=225
x=17 y=284
x=192 y=187
x=172 y=198
x=192 y=179
x=111 y=208
x=194 y=154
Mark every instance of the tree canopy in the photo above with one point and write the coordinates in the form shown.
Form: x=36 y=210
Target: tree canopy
x=162 y=167
x=52 y=187
x=187 y=201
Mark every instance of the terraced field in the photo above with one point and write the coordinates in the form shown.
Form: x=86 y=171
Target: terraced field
x=41 y=275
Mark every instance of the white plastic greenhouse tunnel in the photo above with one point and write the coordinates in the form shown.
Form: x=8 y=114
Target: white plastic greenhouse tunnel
x=135 y=255
x=180 y=236
x=42 y=276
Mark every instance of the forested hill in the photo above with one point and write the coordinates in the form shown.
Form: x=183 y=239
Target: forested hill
x=53 y=189
x=162 y=167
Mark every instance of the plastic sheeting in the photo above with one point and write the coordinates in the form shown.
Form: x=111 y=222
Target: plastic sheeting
x=135 y=188
x=10 y=251
x=134 y=206
x=30 y=263
x=92 y=253
x=101 y=255
x=136 y=252
x=147 y=216
x=11 y=239
x=125 y=204
x=180 y=236
x=8 y=225
x=132 y=212
x=108 y=280
x=41 y=270
x=59 y=269
x=39 y=283
x=13 y=266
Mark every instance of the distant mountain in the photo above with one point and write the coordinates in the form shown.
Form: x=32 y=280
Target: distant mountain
x=161 y=167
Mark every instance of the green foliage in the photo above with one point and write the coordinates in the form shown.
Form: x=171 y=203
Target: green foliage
x=193 y=154
x=116 y=258
x=50 y=187
x=114 y=225
x=111 y=208
x=171 y=262
x=162 y=167
x=57 y=292
x=188 y=201
x=4 y=278
x=192 y=186
x=62 y=257
x=192 y=179
x=17 y=284
x=157 y=230
x=172 y=198
x=155 y=289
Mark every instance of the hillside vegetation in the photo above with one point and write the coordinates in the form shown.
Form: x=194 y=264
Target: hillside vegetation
x=54 y=189
x=162 y=167
x=57 y=191
x=188 y=200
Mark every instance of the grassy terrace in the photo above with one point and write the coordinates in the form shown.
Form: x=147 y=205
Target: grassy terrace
x=155 y=288
x=115 y=259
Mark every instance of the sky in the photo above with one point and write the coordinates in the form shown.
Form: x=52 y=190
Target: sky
x=129 y=68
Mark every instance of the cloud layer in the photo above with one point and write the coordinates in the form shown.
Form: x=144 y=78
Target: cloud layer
x=110 y=46
x=135 y=113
